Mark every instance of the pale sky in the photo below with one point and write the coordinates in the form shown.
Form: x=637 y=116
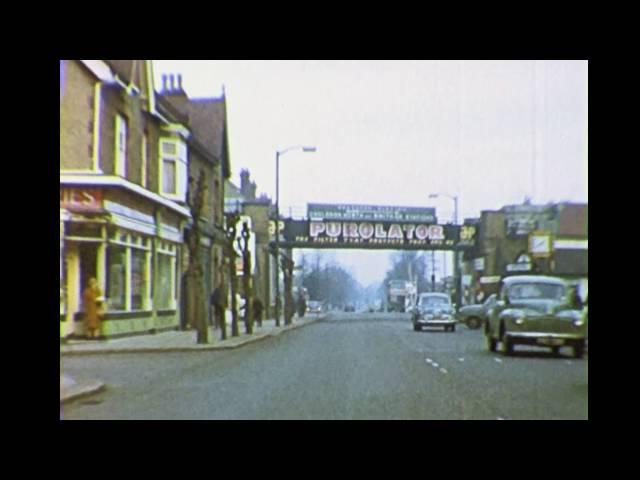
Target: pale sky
x=391 y=132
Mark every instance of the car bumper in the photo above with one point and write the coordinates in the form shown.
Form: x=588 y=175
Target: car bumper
x=434 y=322
x=545 y=339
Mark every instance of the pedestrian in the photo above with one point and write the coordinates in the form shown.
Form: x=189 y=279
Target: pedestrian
x=219 y=304
x=93 y=308
x=302 y=306
x=257 y=310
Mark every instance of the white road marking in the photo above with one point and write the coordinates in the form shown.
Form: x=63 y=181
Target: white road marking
x=443 y=370
x=499 y=418
x=569 y=362
x=435 y=364
x=499 y=360
x=428 y=360
x=461 y=359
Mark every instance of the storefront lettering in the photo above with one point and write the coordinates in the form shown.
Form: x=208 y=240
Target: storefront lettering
x=80 y=198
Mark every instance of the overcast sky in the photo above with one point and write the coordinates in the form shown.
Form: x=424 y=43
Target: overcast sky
x=391 y=132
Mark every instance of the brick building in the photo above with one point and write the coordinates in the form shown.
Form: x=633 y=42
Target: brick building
x=125 y=160
x=507 y=238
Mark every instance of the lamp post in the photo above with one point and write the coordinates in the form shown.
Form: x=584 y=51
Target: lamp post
x=278 y=154
x=456 y=259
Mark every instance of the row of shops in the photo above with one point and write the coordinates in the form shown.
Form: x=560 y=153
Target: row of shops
x=132 y=244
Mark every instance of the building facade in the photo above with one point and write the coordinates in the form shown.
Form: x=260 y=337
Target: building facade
x=543 y=239
x=123 y=185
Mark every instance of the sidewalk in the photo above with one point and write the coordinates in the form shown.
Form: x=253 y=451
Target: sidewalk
x=182 y=341
x=71 y=389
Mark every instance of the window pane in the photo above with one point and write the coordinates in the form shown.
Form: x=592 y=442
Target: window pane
x=169 y=176
x=169 y=148
x=164 y=281
x=139 y=281
x=116 y=271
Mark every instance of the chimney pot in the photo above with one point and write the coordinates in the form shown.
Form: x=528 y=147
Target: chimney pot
x=179 y=82
x=164 y=82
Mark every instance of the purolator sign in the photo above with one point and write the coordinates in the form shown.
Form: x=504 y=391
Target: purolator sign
x=382 y=235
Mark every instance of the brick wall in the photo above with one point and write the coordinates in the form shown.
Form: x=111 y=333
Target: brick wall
x=76 y=117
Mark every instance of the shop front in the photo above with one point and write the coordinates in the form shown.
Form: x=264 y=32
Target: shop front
x=132 y=247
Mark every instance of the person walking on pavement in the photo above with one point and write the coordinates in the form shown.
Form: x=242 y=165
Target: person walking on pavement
x=257 y=310
x=93 y=301
x=219 y=304
x=302 y=306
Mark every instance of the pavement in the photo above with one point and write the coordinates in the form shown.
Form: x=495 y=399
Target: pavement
x=173 y=341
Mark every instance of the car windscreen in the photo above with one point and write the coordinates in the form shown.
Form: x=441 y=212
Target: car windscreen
x=434 y=301
x=536 y=291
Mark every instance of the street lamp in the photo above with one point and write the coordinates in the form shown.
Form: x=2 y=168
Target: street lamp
x=278 y=153
x=456 y=259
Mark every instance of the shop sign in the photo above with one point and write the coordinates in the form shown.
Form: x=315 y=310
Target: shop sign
x=492 y=279
x=478 y=264
x=85 y=198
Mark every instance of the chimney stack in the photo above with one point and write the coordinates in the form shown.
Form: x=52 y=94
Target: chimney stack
x=180 y=82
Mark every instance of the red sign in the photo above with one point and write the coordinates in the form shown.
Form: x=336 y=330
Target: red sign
x=85 y=198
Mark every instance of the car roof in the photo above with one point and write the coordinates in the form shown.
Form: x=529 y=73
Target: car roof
x=533 y=279
x=433 y=294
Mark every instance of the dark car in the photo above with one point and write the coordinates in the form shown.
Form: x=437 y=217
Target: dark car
x=474 y=316
x=349 y=308
x=534 y=310
x=434 y=310
x=314 y=307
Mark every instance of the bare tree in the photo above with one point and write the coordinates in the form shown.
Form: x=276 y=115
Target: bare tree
x=195 y=299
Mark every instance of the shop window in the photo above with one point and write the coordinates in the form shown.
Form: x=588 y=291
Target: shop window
x=116 y=277
x=165 y=281
x=139 y=280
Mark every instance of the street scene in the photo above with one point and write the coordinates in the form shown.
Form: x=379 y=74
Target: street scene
x=323 y=240
x=346 y=366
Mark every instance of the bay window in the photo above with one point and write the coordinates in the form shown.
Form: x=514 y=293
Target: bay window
x=173 y=168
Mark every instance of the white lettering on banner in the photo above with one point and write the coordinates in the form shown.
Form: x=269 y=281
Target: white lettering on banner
x=422 y=232
x=316 y=228
x=334 y=229
x=436 y=232
x=366 y=230
x=380 y=233
x=350 y=230
x=395 y=232
x=409 y=229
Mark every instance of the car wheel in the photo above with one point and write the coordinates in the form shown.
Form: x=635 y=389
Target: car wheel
x=416 y=327
x=473 y=323
x=491 y=343
x=507 y=346
x=578 y=350
x=555 y=351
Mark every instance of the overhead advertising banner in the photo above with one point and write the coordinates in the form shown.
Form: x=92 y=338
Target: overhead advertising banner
x=325 y=211
x=384 y=235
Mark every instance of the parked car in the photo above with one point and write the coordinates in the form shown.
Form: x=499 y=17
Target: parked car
x=474 y=316
x=349 y=308
x=314 y=307
x=534 y=310
x=434 y=310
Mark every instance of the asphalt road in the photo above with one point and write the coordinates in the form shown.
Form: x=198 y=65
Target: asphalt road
x=347 y=366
